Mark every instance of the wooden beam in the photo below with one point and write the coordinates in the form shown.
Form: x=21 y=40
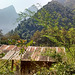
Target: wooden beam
x=12 y=65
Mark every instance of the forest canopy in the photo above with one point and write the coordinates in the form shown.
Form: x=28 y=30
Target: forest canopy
x=58 y=15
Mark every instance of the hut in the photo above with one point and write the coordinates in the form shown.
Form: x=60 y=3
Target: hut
x=32 y=58
x=9 y=51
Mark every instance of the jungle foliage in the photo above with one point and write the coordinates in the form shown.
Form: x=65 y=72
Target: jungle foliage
x=58 y=15
x=57 y=28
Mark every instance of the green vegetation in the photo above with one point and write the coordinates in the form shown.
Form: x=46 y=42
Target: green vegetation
x=58 y=15
x=56 y=35
x=6 y=68
x=9 y=38
x=53 y=25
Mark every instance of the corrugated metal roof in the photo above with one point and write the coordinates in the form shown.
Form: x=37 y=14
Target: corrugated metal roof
x=32 y=53
x=12 y=55
x=7 y=47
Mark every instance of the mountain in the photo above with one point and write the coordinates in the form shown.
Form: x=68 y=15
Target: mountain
x=68 y=3
x=32 y=9
x=60 y=1
x=60 y=15
x=8 y=17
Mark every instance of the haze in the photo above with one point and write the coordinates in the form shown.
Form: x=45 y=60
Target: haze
x=20 y=5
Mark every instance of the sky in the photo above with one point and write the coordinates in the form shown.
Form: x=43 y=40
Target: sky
x=20 y=5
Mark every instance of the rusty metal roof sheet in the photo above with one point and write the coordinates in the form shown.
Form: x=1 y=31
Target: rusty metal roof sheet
x=12 y=55
x=35 y=53
x=6 y=48
x=3 y=47
x=32 y=53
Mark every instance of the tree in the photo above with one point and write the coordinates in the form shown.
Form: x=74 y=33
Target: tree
x=58 y=32
x=58 y=36
x=10 y=38
x=1 y=33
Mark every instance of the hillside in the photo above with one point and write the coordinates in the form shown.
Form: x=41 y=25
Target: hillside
x=66 y=19
x=60 y=1
x=8 y=17
x=33 y=9
x=68 y=3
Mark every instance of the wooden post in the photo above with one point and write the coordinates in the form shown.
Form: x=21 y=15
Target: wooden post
x=12 y=65
x=17 y=68
x=54 y=73
x=21 y=68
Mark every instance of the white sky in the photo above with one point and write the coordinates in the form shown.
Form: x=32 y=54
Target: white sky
x=20 y=5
